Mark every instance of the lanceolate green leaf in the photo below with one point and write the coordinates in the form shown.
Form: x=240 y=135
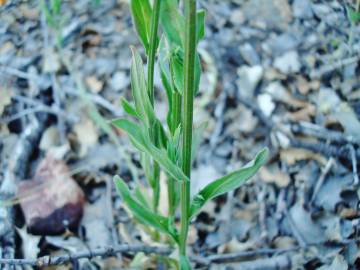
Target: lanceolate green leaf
x=197 y=73
x=177 y=70
x=354 y=16
x=129 y=108
x=143 y=214
x=141 y=13
x=200 y=27
x=142 y=141
x=173 y=22
x=138 y=86
x=228 y=183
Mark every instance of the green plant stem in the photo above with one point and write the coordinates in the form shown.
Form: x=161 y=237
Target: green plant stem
x=150 y=88
x=188 y=97
x=175 y=122
x=152 y=49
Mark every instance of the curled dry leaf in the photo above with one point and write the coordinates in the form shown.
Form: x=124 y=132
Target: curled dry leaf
x=87 y=136
x=30 y=248
x=292 y=155
x=272 y=174
x=94 y=84
x=5 y=99
x=51 y=201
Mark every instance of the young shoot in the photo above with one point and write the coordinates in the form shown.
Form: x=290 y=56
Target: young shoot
x=169 y=146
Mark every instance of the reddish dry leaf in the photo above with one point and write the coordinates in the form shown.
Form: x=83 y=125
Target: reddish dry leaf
x=52 y=201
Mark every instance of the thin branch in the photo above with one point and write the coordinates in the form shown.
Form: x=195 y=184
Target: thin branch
x=89 y=254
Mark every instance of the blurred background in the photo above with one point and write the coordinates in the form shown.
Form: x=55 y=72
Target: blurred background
x=276 y=73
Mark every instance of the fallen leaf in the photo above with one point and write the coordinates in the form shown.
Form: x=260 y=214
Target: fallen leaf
x=52 y=201
x=293 y=155
x=5 y=98
x=30 y=244
x=280 y=93
x=94 y=84
x=338 y=263
x=304 y=114
x=310 y=231
x=86 y=133
x=49 y=138
x=272 y=174
x=51 y=61
x=348 y=119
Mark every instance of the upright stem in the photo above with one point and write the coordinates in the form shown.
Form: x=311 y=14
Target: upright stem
x=188 y=97
x=152 y=49
x=150 y=88
x=175 y=122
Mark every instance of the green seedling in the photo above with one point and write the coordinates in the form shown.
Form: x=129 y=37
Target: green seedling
x=170 y=147
x=54 y=19
x=354 y=17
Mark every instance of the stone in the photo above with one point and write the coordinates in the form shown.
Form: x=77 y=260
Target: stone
x=288 y=63
x=266 y=14
x=266 y=104
x=279 y=44
x=249 y=78
x=119 y=81
x=249 y=54
x=302 y=9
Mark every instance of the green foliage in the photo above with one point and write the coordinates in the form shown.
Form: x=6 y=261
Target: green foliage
x=228 y=182
x=54 y=18
x=138 y=86
x=141 y=13
x=354 y=16
x=173 y=146
x=141 y=140
x=142 y=213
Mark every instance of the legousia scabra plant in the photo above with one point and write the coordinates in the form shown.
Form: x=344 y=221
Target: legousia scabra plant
x=170 y=146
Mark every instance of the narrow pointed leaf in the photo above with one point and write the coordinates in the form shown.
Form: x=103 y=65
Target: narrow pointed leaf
x=143 y=214
x=197 y=73
x=177 y=70
x=138 y=86
x=200 y=31
x=141 y=13
x=142 y=141
x=172 y=22
x=228 y=183
x=129 y=108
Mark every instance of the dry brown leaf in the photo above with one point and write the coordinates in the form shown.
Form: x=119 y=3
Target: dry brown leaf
x=292 y=155
x=304 y=86
x=304 y=114
x=283 y=242
x=52 y=201
x=94 y=84
x=280 y=93
x=87 y=135
x=52 y=61
x=272 y=174
x=5 y=98
x=235 y=245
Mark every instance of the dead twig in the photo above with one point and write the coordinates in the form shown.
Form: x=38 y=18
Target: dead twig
x=319 y=147
x=321 y=179
x=316 y=131
x=354 y=164
x=327 y=68
x=15 y=168
x=89 y=254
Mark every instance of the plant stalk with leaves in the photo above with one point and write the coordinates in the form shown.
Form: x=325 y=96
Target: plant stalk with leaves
x=170 y=147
